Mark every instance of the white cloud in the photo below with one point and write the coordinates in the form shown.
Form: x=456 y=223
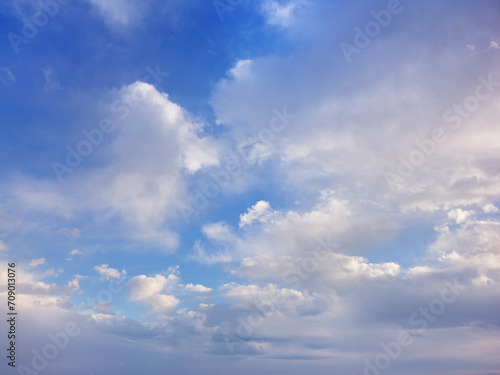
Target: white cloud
x=73 y=253
x=109 y=273
x=349 y=129
x=315 y=271
x=459 y=215
x=283 y=14
x=198 y=288
x=288 y=301
x=490 y=208
x=260 y=211
x=155 y=149
x=295 y=232
x=218 y=231
x=3 y=246
x=200 y=255
x=149 y=290
x=36 y=262
x=40 y=292
x=348 y=139
x=241 y=70
x=494 y=45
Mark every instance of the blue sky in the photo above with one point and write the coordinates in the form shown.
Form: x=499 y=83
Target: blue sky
x=271 y=185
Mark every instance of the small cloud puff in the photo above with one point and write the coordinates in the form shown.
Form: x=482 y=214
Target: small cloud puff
x=73 y=253
x=260 y=211
x=36 y=262
x=109 y=273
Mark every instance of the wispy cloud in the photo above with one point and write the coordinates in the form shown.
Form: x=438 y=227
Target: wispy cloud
x=36 y=262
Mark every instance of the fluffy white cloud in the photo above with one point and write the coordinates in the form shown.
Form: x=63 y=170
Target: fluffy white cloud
x=154 y=148
x=149 y=290
x=349 y=130
x=296 y=232
x=260 y=211
x=353 y=123
x=287 y=301
x=304 y=297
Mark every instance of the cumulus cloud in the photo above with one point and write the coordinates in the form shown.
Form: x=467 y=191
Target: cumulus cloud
x=360 y=134
x=39 y=291
x=287 y=301
x=296 y=232
x=156 y=146
x=149 y=290
x=343 y=263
